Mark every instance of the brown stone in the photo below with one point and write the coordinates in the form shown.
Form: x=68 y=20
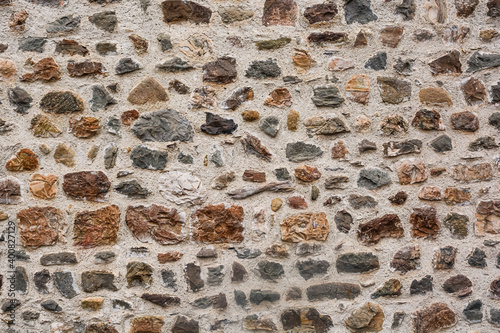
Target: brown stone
x=464 y=121
x=424 y=222
x=304 y=226
x=303 y=61
x=140 y=44
x=279 y=97
x=148 y=91
x=7 y=70
x=220 y=223
x=321 y=13
x=362 y=123
x=428 y=120
x=222 y=71
x=436 y=317
x=96 y=228
x=398 y=198
x=455 y=34
x=411 y=171
x=367 y=318
x=292 y=120
x=390 y=36
x=358 y=88
x=447 y=64
x=465 y=7
x=45 y=70
x=387 y=226
x=494 y=290
x=250 y=115
x=436 y=172
x=252 y=145
x=493 y=8
x=42 y=127
x=305 y=320
x=65 y=155
x=360 y=40
x=17 y=21
x=162 y=300
x=393 y=124
x=394 y=91
x=397 y=148
x=431 y=193
x=25 y=160
x=473 y=173
x=128 y=117
x=71 y=47
x=444 y=258
x=40 y=226
x=487 y=218
x=254 y=176
x=171 y=256
x=147 y=324
x=340 y=64
x=488 y=34
x=435 y=96
x=406 y=259
x=279 y=12
x=92 y=303
x=327 y=37
x=259 y=323
x=84 y=127
x=474 y=91
x=297 y=202
x=455 y=195
x=160 y=223
x=100 y=328
x=43 y=187
x=307 y=173
x=87 y=67
x=277 y=251
x=59 y=102
x=86 y=185
x=339 y=150
x=175 y=11
x=458 y=285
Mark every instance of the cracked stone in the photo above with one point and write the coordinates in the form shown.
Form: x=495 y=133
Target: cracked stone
x=40 y=226
x=387 y=226
x=394 y=91
x=362 y=262
x=96 y=228
x=279 y=12
x=222 y=71
x=406 y=259
x=61 y=102
x=422 y=286
x=444 y=258
x=163 y=126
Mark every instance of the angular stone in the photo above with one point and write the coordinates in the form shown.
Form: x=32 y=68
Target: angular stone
x=447 y=64
x=494 y=290
x=424 y=222
x=147 y=91
x=95 y=304
x=51 y=305
x=32 y=44
x=339 y=151
x=252 y=145
x=391 y=35
x=41 y=280
x=162 y=300
x=279 y=97
x=359 y=11
x=96 y=228
x=132 y=189
x=327 y=96
x=390 y=288
x=257 y=296
x=71 y=47
x=311 y=268
x=377 y=62
x=93 y=281
x=320 y=13
x=218 y=224
x=485 y=142
x=66 y=284
x=215 y=124
x=237 y=98
x=105 y=48
x=397 y=148
x=407 y=9
x=203 y=97
x=272 y=44
x=394 y=91
x=43 y=187
x=431 y=193
x=327 y=37
x=84 y=127
x=139 y=274
x=254 y=176
x=477 y=258
x=140 y=44
x=464 y=121
x=270 y=125
x=479 y=61
x=473 y=312
x=304 y=226
x=336 y=182
x=398 y=198
x=84 y=68
x=65 y=155
x=163 y=126
x=260 y=69
x=454 y=195
x=411 y=171
x=259 y=323
x=393 y=124
x=444 y=258
x=473 y=173
x=20 y=99
x=442 y=143
x=279 y=12
x=457 y=223
x=343 y=220
x=422 y=286
x=192 y=274
x=172 y=256
x=145 y=158
x=5 y=127
x=435 y=96
x=428 y=120
x=147 y=324
x=404 y=67
x=362 y=262
x=358 y=88
x=465 y=7
x=86 y=185
x=307 y=173
x=474 y=91
x=42 y=126
x=367 y=318
x=45 y=70
x=299 y=320
x=387 y=226
x=406 y=259
x=61 y=102
x=435 y=317
x=361 y=201
x=182 y=188
x=326 y=125
x=127 y=65
x=176 y=11
x=106 y=21
x=64 y=24
x=174 y=65
x=222 y=71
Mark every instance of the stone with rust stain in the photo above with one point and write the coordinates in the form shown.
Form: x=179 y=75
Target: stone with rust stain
x=411 y=171
x=435 y=96
x=176 y=11
x=25 y=160
x=394 y=91
x=444 y=258
x=147 y=324
x=279 y=97
x=140 y=44
x=160 y=223
x=455 y=195
x=473 y=173
x=358 y=88
x=220 y=223
x=465 y=7
x=171 y=256
x=487 y=217
x=398 y=198
x=474 y=91
x=222 y=71
x=96 y=228
x=436 y=317
x=128 y=117
x=368 y=318
x=202 y=98
x=45 y=70
x=304 y=226
x=87 y=67
x=431 y=193
x=252 y=145
x=428 y=120
x=307 y=173
x=84 y=127
x=100 y=327
x=40 y=226
x=465 y=121
x=390 y=288
x=406 y=259
x=279 y=12
x=147 y=91
x=254 y=176
x=86 y=185
x=390 y=36
x=305 y=320
x=7 y=70
x=303 y=61
x=387 y=226
x=297 y=202
x=321 y=13
x=43 y=187
x=237 y=98
x=424 y=222
x=43 y=127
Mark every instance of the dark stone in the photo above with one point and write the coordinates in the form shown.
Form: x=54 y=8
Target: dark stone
x=185 y=325
x=145 y=158
x=361 y=262
x=65 y=283
x=98 y=280
x=428 y=120
x=126 y=65
x=366 y=145
x=21 y=255
x=32 y=44
x=215 y=275
x=105 y=256
x=165 y=42
x=207 y=253
x=101 y=99
x=132 y=189
x=343 y=220
x=442 y=143
x=465 y=7
x=20 y=99
x=61 y=102
x=282 y=173
x=333 y=290
x=164 y=301
x=64 y=24
x=310 y=268
x=61 y=258
x=272 y=44
x=193 y=277
x=359 y=11
x=185 y=158
x=71 y=47
x=269 y=270
x=378 y=62
x=327 y=96
x=223 y=71
x=216 y=158
x=41 y=280
x=258 y=296
x=270 y=125
x=175 y=11
x=493 y=11
x=247 y=253
x=422 y=35
x=30 y=315
x=465 y=121
x=361 y=201
x=21 y=280
x=179 y=87
x=301 y=151
x=293 y=321
x=121 y=305
x=447 y=64
x=480 y=60
x=51 y=306
x=473 y=312
x=240 y=298
x=106 y=48
x=215 y=125
x=458 y=285
x=390 y=288
x=404 y=67
x=327 y=37
x=485 y=142
x=10 y=305
x=168 y=278
x=444 y=258
x=397 y=319
x=407 y=9
x=3 y=47
x=397 y=148
x=422 y=286
x=260 y=69
x=174 y=65
x=318 y=13
x=293 y=293
x=239 y=272
x=106 y=21
x=494 y=120
x=163 y=126
x=477 y=258
x=373 y=178
x=387 y=226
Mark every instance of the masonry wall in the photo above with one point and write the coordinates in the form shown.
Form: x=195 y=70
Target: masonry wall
x=266 y=166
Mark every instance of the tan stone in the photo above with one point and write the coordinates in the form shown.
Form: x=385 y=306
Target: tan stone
x=279 y=12
x=358 y=88
x=431 y=193
x=339 y=150
x=435 y=96
x=305 y=226
x=411 y=171
x=390 y=36
x=40 y=226
x=250 y=115
x=92 y=303
x=307 y=173
x=340 y=64
x=487 y=218
x=292 y=120
x=140 y=44
x=65 y=155
x=42 y=126
x=303 y=61
x=147 y=324
x=7 y=70
x=476 y=172
x=43 y=187
x=172 y=256
x=455 y=195
x=45 y=70
x=279 y=97
x=276 y=204
x=367 y=318
x=147 y=91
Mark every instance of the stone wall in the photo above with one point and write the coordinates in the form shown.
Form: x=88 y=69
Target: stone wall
x=249 y=165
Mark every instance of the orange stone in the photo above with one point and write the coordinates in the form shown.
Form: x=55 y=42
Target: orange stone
x=45 y=70
x=40 y=226
x=43 y=187
x=147 y=324
x=358 y=88
x=85 y=127
x=279 y=97
x=172 y=256
x=7 y=70
x=307 y=173
x=305 y=226
x=96 y=228
x=303 y=60
x=221 y=223
x=25 y=160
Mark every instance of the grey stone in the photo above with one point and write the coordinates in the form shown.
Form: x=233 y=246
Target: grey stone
x=110 y=154
x=30 y=315
x=258 y=296
x=480 y=60
x=105 y=48
x=343 y=221
x=301 y=151
x=422 y=286
x=359 y=11
x=485 y=142
x=404 y=67
x=65 y=283
x=105 y=257
x=442 y=143
x=333 y=290
x=473 y=312
x=10 y=305
x=120 y=305
x=20 y=99
x=145 y=158
x=494 y=317
x=477 y=258
x=240 y=298
x=269 y=270
x=207 y=252
x=233 y=14
x=32 y=44
x=397 y=320
x=132 y=189
x=397 y=148
x=174 y=65
x=336 y=182
x=64 y=24
x=261 y=69
x=202 y=303
x=215 y=125
x=495 y=93
x=126 y=65
x=282 y=174
x=51 y=305
x=41 y=280
x=407 y=9
x=98 y=280
x=247 y=253
x=106 y=20
x=185 y=158
x=494 y=120
x=3 y=47
x=327 y=96
x=366 y=145
x=378 y=62
x=361 y=262
x=215 y=275
x=270 y=125
x=361 y=201
x=113 y=125
x=101 y=99
x=60 y=258
x=216 y=158
x=163 y=126
x=314 y=192
x=21 y=280
x=311 y=268
x=5 y=127
x=21 y=255
x=373 y=178
x=239 y=272
x=192 y=273
x=169 y=279
x=165 y=42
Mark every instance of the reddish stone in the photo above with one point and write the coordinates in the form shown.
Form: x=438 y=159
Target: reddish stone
x=360 y=40
x=390 y=36
x=436 y=317
x=220 y=223
x=17 y=21
x=398 y=198
x=304 y=226
x=411 y=171
x=43 y=187
x=436 y=172
x=128 y=117
x=494 y=291
x=279 y=12
x=86 y=185
x=387 y=226
x=279 y=97
x=85 y=127
x=358 y=88
x=297 y=202
x=458 y=285
x=223 y=71
x=7 y=70
x=40 y=226
x=431 y=193
x=172 y=256
x=476 y=172
x=307 y=173
x=25 y=160
x=147 y=324
x=327 y=37
x=96 y=228
x=175 y=11
x=464 y=121
x=252 y=145
x=406 y=259
x=474 y=91
x=254 y=176
x=156 y=222
x=320 y=13
x=140 y=44
x=339 y=150
x=147 y=91
x=87 y=67
x=45 y=70
x=424 y=222
x=455 y=195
